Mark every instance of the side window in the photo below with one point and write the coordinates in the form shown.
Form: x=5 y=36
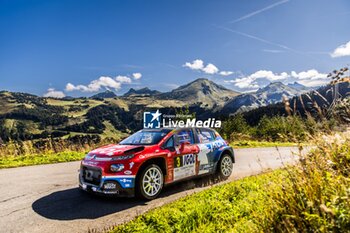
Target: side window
x=205 y=135
x=169 y=143
x=213 y=134
x=185 y=135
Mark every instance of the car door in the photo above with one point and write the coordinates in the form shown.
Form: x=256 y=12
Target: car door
x=185 y=156
x=206 y=153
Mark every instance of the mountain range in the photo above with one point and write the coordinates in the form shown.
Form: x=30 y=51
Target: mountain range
x=141 y=92
x=270 y=94
x=207 y=94
x=29 y=116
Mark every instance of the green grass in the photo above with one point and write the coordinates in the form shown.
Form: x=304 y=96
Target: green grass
x=252 y=144
x=312 y=196
x=237 y=206
x=27 y=160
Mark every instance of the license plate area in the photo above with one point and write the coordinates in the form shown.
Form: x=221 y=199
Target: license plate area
x=89 y=175
x=92 y=175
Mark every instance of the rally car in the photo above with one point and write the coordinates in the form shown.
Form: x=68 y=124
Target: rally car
x=151 y=158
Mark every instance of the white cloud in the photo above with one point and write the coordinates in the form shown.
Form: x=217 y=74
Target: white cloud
x=137 y=75
x=269 y=75
x=210 y=68
x=51 y=92
x=123 y=79
x=95 y=85
x=244 y=83
x=310 y=74
x=261 y=78
x=104 y=82
x=195 y=65
x=70 y=87
x=225 y=73
x=314 y=83
x=342 y=50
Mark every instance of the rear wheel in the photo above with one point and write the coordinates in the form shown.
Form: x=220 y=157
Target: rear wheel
x=150 y=182
x=225 y=166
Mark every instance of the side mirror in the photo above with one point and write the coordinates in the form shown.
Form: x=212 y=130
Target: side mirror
x=183 y=145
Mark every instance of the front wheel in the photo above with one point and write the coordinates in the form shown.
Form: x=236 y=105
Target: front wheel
x=225 y=166
x=150 y=182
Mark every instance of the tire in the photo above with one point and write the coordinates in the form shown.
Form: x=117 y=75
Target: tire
x=150 y=182
x=225 y=166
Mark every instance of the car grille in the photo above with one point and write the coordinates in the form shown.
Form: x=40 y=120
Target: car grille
x=91 y=175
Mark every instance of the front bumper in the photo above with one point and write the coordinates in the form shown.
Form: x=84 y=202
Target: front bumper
x=129 y=192
x=121 y=186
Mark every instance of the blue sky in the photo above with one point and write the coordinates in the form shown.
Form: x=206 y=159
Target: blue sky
x=78 y=48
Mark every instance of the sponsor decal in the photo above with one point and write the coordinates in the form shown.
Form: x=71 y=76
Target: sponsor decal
x=127 y=172
x=131 y=165
x=208 y=166
x=110 y=185
x=90 y=163
x=125 y=180
x=184 y=160
x=203 y=158
x=184 y=166
x=215 y=145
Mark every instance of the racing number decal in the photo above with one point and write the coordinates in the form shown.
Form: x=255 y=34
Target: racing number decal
x=184 y=166
x=184 y=160
x=178 y=161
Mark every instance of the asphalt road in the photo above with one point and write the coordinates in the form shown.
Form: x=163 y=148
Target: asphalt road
x=45 y=198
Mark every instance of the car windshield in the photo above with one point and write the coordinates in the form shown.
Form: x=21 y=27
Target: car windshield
x=145 y=137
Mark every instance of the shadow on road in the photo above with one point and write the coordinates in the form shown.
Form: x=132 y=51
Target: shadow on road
x=74 y=204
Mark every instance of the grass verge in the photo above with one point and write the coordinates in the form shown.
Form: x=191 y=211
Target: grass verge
x=237 y=205
x=67 y=156
x=313 y=196
x=252 y=144
x=27 y=160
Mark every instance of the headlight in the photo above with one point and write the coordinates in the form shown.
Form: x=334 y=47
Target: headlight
x=89 y=156
x=117 y=167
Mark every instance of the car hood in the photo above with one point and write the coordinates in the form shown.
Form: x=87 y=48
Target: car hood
x=116 y=150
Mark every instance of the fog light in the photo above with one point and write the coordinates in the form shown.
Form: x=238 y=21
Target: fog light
x=117 y=167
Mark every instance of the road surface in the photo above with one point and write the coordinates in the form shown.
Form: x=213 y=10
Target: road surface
x=45 y=198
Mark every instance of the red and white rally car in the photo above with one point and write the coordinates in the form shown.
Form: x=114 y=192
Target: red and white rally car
x=151 y=158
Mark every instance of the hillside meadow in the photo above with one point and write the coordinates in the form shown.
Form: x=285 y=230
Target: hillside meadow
x=270 y=132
